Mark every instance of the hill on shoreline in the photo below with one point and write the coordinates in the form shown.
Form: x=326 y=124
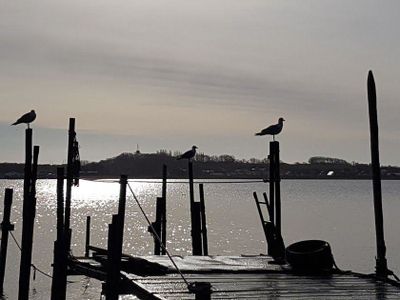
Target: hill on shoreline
x=149 y=165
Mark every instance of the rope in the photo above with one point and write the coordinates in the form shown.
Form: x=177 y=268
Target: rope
x=33 y=265
x=158 y=238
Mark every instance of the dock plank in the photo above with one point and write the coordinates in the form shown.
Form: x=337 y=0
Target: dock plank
x=272 y=286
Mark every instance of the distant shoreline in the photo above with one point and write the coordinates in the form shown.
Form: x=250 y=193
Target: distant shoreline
x=149 y=166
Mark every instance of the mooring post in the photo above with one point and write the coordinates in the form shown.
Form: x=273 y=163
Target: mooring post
x=87 y=240
x=272 y=181
x=59 y=280
x=201 y=290
x=115 y=241
x=6 y=226
x=192 y=212
x=68 y=192
x=121 y=213
x=113 y=260
x=28 y=217
x=277 y=183
x=156 y=226
x=203 y=220
x=196 y=229
x=381 y=263
x=164 y=210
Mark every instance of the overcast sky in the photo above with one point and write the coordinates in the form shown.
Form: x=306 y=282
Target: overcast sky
x=168 y=74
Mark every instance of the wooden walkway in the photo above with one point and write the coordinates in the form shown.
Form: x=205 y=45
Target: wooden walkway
x=234 y=277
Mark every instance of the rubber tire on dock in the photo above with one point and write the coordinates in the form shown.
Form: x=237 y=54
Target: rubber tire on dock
x=310 y=256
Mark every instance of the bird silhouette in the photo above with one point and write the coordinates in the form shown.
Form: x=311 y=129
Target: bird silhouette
x=188 y=154
x=273 y=129
x=26 y=118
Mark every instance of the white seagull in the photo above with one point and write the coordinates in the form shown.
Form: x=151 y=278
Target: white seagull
x=273 y=129
x=26 y=118
x=188 y=154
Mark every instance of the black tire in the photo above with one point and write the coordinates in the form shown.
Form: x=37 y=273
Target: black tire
x=311 y=256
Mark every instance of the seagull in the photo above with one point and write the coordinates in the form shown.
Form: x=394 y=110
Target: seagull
x=188 y=154
x=26 y=118
x=273 y=129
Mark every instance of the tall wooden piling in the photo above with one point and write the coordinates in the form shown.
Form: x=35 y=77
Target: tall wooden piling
x=157 y=226
x=115 y=241
x=381 y=263
x=29 y=210
x=272 y=181
x=196 y=247
x=87 y=240
x=113 y=260
x=196 y=229
x=6 y=226
x=59 y=280
x=71 y=137
x=274 y=185
x=164 y=210
x=277 y=178
x=203 y=220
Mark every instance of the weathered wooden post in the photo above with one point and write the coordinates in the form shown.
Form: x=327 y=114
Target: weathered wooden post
x=87 y=240
x=115 y=241
x=203 y=220
x=29 y=210
x=71 y=138
x=6 y=226
x=272 y=181
x=113 y=262
x=277 y=182
x=164 y=210
x=192 y=213
x=196 y=229
x=59 y=281
x=381 y=263
x=157 y=226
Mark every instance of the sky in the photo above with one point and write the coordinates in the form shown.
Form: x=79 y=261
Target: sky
x=169 y=74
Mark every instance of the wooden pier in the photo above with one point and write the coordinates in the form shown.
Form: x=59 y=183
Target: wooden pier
x=232 y=277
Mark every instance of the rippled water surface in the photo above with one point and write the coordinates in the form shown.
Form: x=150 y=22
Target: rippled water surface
x=340 y=212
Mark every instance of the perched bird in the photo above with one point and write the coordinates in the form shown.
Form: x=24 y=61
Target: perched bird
x=273 y=129
x=26 y=118
x=188 y=154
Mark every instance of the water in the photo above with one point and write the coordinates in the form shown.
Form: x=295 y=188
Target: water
x=338 y=211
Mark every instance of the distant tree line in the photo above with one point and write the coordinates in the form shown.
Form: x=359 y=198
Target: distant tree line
x=149 y=165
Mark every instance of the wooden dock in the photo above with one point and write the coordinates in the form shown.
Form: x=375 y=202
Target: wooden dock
x=233 y=277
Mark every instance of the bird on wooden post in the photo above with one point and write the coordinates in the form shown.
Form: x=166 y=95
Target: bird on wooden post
x=26 y=118
x=273 y=129
x=188 y=154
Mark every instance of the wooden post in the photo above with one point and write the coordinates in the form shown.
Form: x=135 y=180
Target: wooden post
x=87 y=241
x=115 y=241
x=203 y=220
x=381 y=263
x=28 y=217
x=164 y=210
x=157 y=226
x=196 y=229
x=277 y=182
x=272 y=181
x=60 y=203
x=122 y=200
x=59 y=281
x=202 y=290
x=192 y=213
x=71 y=137
x=113 y=260
x=6 y=226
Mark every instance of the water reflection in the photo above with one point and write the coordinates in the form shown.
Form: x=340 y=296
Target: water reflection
x=337 y=211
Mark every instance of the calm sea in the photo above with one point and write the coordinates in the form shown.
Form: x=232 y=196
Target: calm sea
x=340 y=212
